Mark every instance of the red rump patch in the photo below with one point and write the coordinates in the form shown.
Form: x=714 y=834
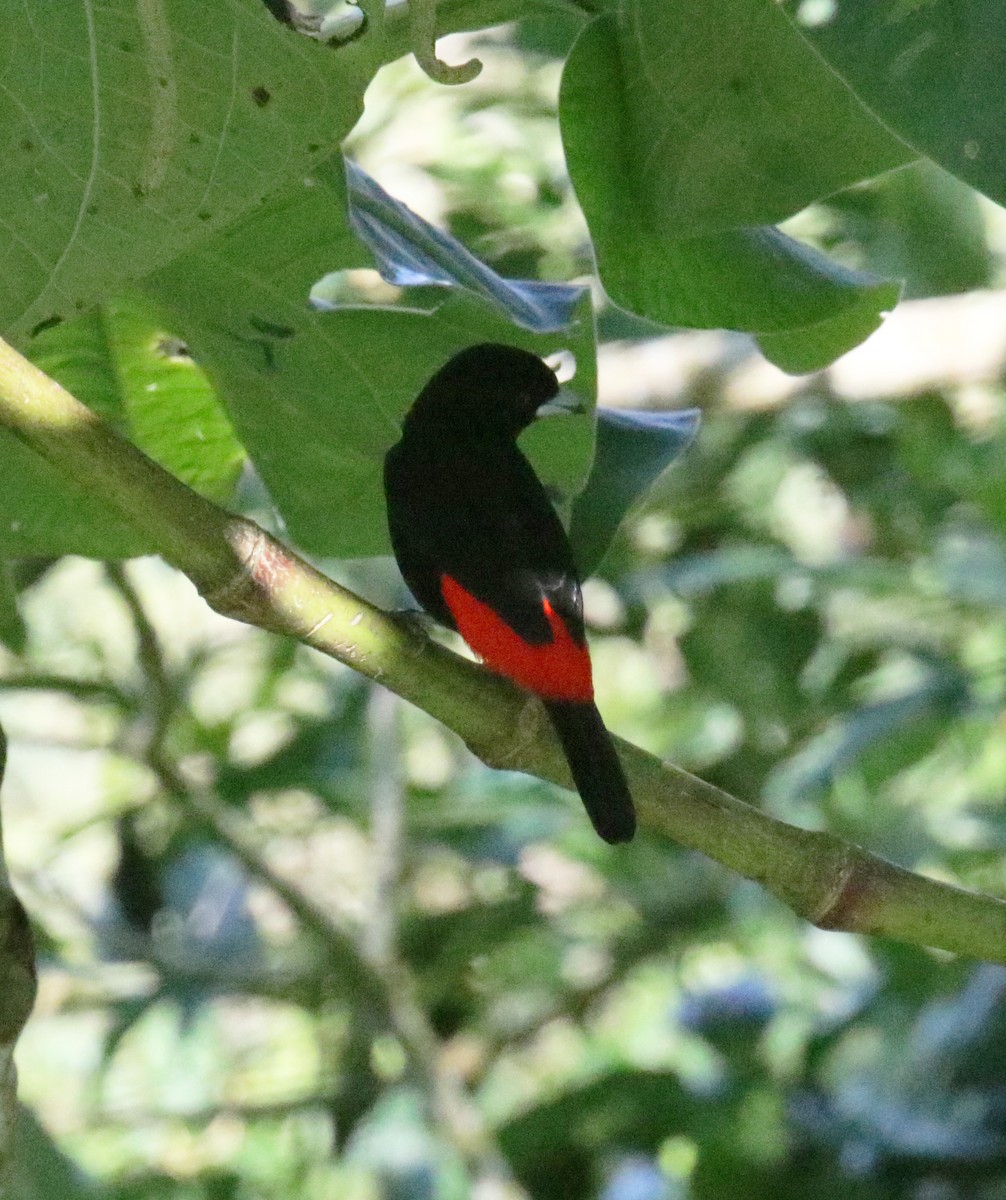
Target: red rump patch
x=555 y=670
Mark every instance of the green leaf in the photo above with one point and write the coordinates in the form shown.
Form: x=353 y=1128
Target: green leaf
x=43 y=513
x=810 y=349
x=122 y=362
x=410 y=252
x=730 y=118
x=42 y=1170
x=750 y=277
x=750 y=651
x=623 y=1106
x=920 y=224
x=633 y=449
x=935 y=73
x=134 y=130
x=699 y=573
x=316 y=397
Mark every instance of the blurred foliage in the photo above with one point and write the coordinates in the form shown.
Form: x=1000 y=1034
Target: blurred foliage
x=808 y=610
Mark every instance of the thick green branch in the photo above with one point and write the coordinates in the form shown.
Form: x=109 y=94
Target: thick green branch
x=245 y=574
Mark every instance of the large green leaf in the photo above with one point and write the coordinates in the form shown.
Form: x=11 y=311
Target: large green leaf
x=934 y=72
x=703 y=258
x=133 y=130
x=316 y=397
x=920 y=224
x=43 y=513
x=731 y=119
x=817 y=345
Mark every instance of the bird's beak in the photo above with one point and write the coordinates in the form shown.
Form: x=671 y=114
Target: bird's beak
x=565 y=404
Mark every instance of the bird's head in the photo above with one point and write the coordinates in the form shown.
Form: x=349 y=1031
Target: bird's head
x=486 y=392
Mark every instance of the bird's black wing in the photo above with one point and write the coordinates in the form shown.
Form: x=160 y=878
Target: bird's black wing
x=489 y=525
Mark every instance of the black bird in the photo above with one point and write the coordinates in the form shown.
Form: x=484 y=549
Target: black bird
x=482 y=549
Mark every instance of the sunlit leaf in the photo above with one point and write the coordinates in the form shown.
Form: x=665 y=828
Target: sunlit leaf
x=135 y=130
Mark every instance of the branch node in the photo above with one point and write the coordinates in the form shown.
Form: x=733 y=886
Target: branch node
x=249 y=594
x=840 y=896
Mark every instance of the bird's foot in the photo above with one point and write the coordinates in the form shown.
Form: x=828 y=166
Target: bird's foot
x=416 y=623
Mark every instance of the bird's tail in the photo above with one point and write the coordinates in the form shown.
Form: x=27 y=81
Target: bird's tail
x=595 y=768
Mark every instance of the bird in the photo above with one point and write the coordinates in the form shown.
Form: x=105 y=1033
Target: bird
x=484 y=552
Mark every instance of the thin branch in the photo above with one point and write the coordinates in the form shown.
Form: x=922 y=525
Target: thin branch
x=385 y=989
x=80 y=689
x=244 y=573
x=149 y=654
x=345 y=959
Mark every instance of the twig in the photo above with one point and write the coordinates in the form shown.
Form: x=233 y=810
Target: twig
x=80 y=689
x=345 y=962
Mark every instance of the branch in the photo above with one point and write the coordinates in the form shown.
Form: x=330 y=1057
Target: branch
x=245 y=574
